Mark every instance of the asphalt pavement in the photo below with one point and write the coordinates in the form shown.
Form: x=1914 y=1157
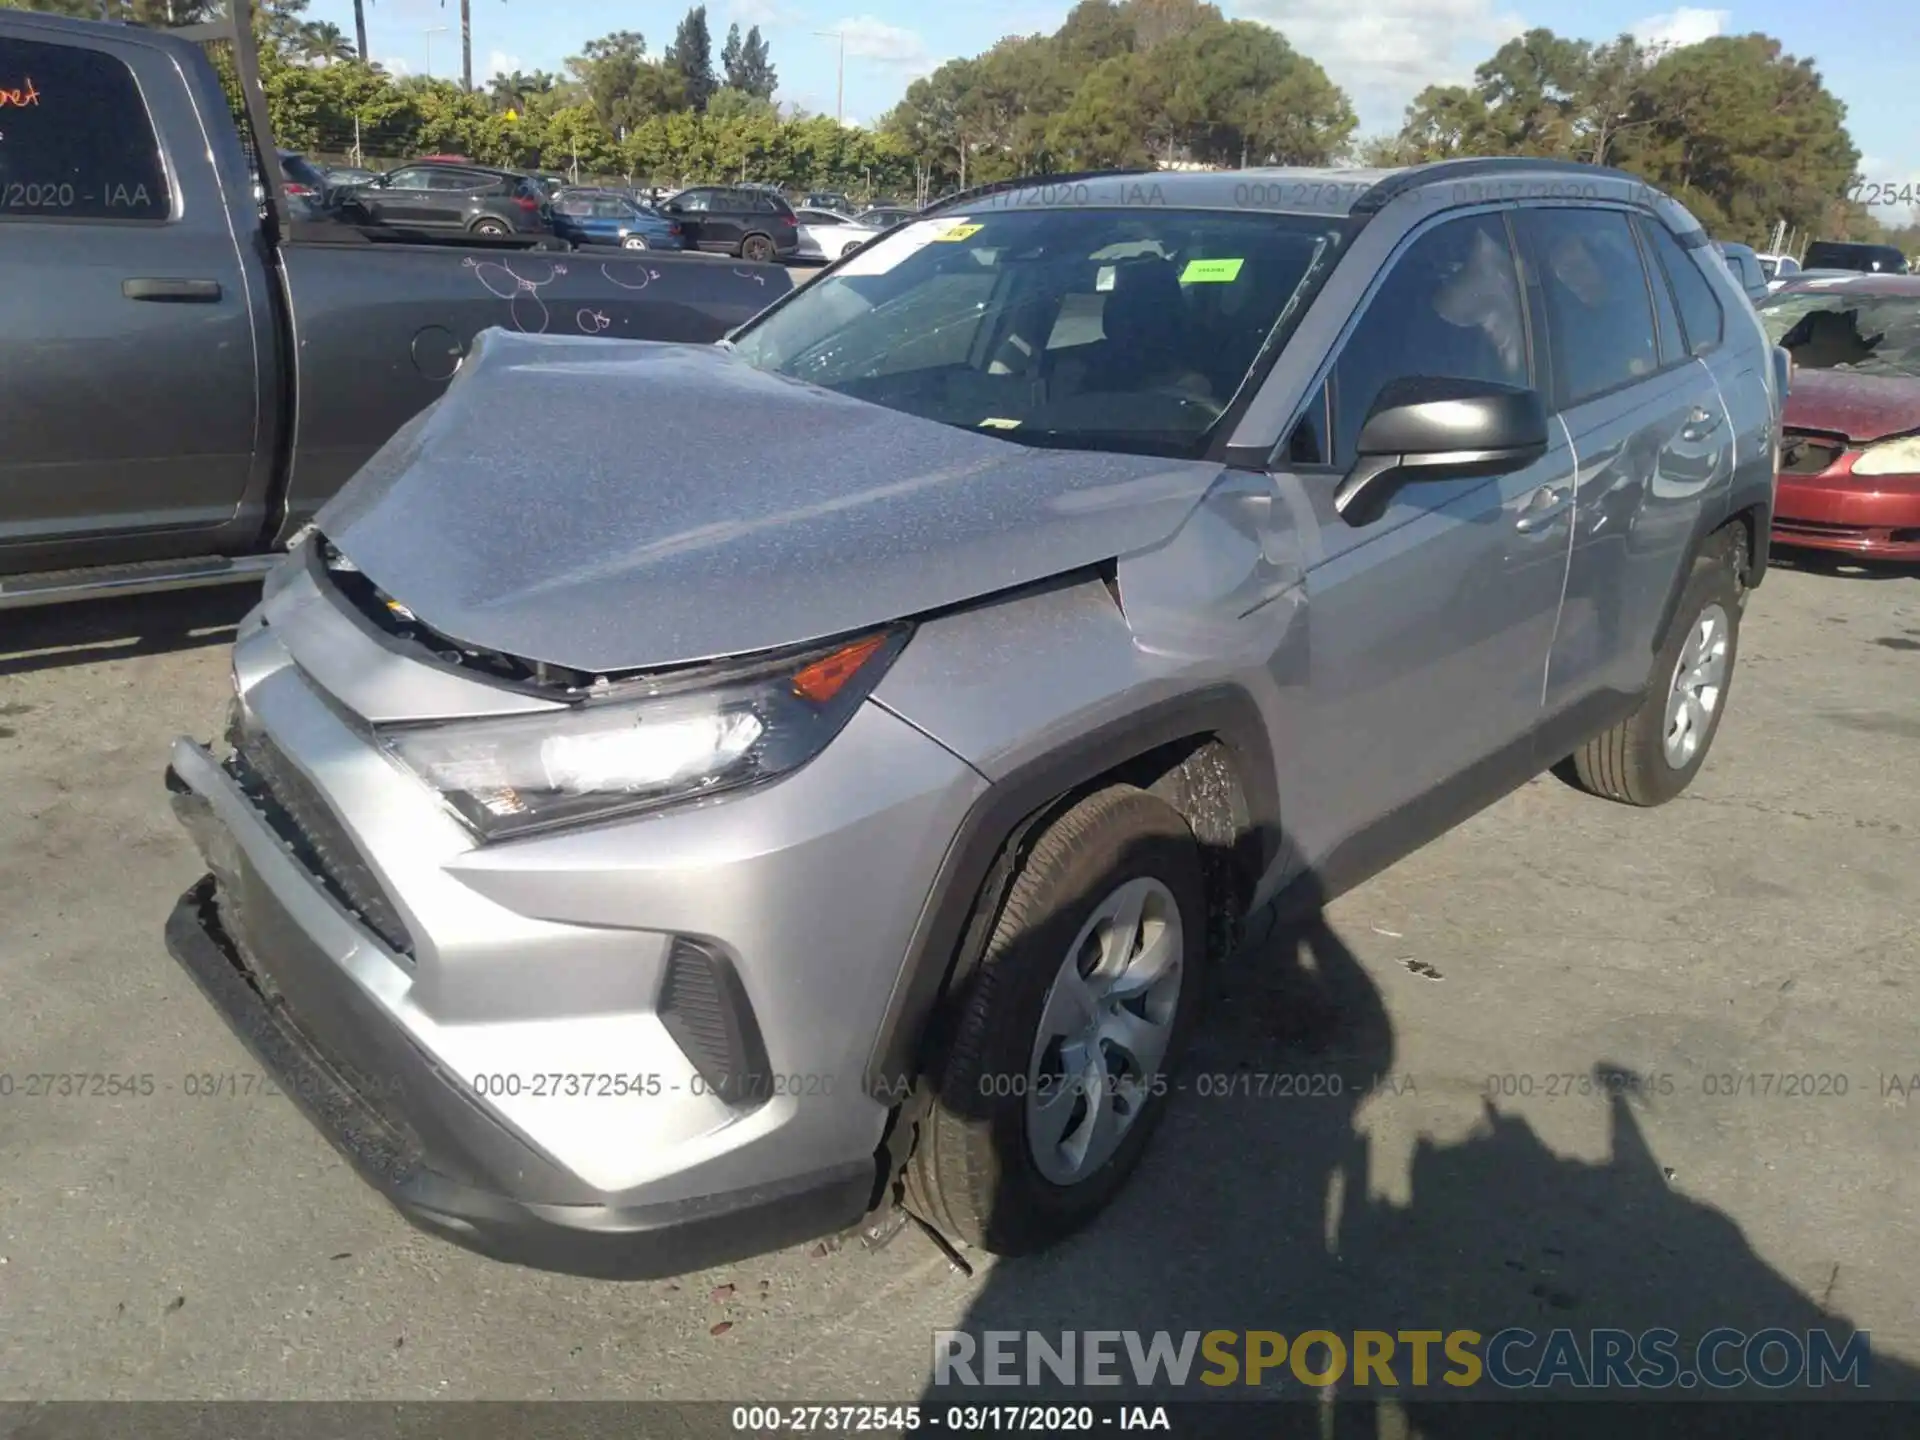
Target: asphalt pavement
x=1596 y=1066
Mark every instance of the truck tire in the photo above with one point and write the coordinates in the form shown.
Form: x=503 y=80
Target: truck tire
x=490 y=228
x=758 y=248
x=1087 y=989
x=1653 y=754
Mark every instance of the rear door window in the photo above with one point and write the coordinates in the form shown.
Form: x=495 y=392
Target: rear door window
x=1599 y=306
x=76 y=141
x=1700 y=313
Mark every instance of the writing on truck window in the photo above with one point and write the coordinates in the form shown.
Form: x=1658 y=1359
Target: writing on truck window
x=76 y=141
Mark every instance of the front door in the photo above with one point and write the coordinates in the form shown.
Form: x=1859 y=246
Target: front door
x=1429 y=628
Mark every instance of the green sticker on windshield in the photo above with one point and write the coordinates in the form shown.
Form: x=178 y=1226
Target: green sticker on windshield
x=1211 y=272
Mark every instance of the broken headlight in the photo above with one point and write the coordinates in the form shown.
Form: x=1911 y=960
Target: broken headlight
x=644 y=744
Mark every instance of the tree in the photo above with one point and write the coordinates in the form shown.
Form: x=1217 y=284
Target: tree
x=323 y=43
x=623 y=86
x=757 y=75
x=360 y=29
x=691 y=54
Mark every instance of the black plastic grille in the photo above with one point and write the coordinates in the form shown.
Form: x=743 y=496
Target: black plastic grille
x=704 y=1008
x=299 y=816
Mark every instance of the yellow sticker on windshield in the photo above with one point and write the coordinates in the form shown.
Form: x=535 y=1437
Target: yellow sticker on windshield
x=1211 y=272
x=959 y=232
x=994 y=423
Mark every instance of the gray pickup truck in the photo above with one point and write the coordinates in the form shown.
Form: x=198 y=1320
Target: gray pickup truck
x=189 y=370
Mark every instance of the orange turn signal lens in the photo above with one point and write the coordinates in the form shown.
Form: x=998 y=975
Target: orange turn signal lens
x=827 y=676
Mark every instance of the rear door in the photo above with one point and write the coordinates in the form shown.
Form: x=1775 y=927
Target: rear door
x=1651 y=438
x=726 y=219
x=448 y=195
x=130 y=393
x=404 y=199
x=691 y=208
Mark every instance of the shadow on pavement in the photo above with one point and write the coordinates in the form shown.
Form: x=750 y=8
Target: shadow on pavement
x=91 y=630
x=1257 y=1212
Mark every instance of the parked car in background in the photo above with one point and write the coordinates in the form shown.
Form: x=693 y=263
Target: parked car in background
x=880 y=822
x=433 y=195
x=1746 y=268
x=300 y=176
x=1853 y=255
x=1778 y=269
x=829 y=234
x=185 y=378
x=749 y=221
x=832 y=200
x=882 y=217
x=1850 y=454
x=610 y=218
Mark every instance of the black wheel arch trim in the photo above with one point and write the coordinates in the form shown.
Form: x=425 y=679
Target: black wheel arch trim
x=1754 y=519
x=964 y=902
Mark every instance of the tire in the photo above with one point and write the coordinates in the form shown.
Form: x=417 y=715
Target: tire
x=850 y=247
x=973 y=1173
x=1630 y=763
x=758 y=248
x=634 y=242
x=491 y=228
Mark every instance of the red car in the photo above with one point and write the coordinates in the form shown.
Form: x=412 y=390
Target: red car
x=1849 y=476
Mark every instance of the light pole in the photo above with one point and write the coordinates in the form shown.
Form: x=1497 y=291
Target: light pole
x=426 y=38
x=840 y=83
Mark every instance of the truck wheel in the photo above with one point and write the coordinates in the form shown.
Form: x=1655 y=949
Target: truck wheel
x=1653 y=755
x=758 y=248
x=1068 y=1029
x=490 y=228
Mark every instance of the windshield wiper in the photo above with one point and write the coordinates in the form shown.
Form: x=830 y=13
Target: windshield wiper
x=1122 y=442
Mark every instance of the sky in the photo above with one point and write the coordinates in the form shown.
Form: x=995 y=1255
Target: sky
x=1382 y=51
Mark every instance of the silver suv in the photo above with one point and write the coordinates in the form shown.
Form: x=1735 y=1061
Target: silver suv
x=823 y=769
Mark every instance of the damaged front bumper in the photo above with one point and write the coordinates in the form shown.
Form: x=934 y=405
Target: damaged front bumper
x=414 y=1132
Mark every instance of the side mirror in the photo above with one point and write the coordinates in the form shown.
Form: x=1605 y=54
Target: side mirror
x=1439 y=429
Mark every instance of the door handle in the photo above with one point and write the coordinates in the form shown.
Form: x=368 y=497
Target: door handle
x=177 y=292
x=1545 y=504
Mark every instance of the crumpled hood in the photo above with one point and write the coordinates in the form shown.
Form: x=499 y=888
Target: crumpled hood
x=1864 y=408
x=611 y=505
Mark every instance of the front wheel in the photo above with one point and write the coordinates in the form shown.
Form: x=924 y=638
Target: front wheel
x=634 y=242
x=1068 y=1030
x=1653 y=754
x=758 y=248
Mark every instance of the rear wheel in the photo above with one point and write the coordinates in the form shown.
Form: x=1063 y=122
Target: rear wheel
x=1068 y=1029
x=634 y=242
x=493 y=229
x=1653 y=754
x=758 y=248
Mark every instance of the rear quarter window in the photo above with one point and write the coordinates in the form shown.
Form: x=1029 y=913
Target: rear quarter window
x=76 y=141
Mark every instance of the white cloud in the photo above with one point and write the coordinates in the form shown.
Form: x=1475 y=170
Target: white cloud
x=765 y=13
x=501 y=63
x=1685 y=26
x=888 y=45
x=1384 y=52
x=393 y=66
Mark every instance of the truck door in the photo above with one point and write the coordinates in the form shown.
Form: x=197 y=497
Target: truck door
x=130 y=394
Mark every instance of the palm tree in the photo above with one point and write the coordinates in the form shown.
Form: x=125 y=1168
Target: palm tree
x=323 y=42
x=360 y=28
x=466 y=42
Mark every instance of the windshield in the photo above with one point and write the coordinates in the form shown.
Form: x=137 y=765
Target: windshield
x=1868 y=334
x=1093 y=329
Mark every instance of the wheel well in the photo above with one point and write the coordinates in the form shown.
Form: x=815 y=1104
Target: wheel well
x=1744 y=525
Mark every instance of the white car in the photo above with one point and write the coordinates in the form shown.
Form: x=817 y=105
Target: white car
x=827 y=234
x=1778 y=269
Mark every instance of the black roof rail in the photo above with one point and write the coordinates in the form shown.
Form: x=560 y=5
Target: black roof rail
x=1440 y=171
x=1030 y=182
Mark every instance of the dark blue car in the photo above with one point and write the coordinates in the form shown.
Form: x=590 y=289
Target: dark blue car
x=606 y=217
